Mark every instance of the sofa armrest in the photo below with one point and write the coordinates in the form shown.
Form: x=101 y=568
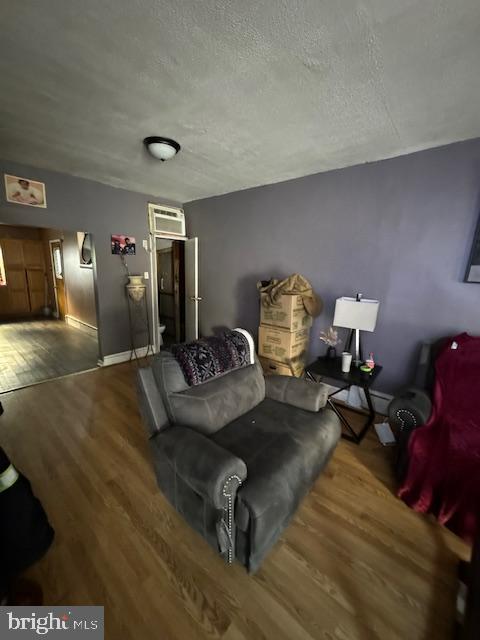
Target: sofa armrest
x=303 y=394
x=150 y=402
x=409 y=409
x=208 y=469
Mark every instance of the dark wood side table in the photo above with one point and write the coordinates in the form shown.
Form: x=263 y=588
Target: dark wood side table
x=331 y=368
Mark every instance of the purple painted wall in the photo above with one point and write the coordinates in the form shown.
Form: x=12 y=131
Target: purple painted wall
x=76 y=204
x=398 y=230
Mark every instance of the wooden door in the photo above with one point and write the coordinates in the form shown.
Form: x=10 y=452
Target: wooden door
x=33 y=256
x=25 y=275
x=18 y=302
x=18 y=299
x=13 y=252
x=36 y=290
x=56 y=253
x=34 y=261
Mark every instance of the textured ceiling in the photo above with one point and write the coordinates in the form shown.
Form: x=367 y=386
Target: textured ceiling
x=255 y=92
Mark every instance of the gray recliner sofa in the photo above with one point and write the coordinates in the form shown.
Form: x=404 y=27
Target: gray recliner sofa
x=236 y=455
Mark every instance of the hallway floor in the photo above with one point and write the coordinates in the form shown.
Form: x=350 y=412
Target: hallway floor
x=38 y=350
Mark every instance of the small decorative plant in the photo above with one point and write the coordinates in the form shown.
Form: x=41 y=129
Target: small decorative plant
x=330 y=338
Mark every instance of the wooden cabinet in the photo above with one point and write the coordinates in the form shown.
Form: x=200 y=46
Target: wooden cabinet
x=18 y=302
x=12 y=253
x=24 y=262
x=36 y=289
x=33 y=254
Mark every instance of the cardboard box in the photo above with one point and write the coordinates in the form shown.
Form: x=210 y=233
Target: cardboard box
x=282 y=345
x=288 y=312
x=272 y=367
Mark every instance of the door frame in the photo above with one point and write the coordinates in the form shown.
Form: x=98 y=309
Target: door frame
x=154 y=280
x=52 y=264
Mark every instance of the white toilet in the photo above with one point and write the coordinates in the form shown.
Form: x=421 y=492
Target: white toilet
x=161 y=329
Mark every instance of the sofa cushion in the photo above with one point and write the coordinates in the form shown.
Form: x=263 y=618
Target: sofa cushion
x=209 y=406
x=285 y=449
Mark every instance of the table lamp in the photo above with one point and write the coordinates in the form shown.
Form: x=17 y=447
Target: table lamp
x=357 y=314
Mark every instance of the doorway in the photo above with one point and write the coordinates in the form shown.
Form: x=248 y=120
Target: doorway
x=175 y=284
x=171 y=290
x=48 y=318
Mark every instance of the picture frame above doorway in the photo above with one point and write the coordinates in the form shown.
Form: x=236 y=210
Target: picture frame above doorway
x=25 y=191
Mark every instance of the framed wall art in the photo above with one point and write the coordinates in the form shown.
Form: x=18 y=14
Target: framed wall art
x=25 y=191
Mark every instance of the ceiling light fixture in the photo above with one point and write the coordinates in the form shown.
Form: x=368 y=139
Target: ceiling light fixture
x=161 y=148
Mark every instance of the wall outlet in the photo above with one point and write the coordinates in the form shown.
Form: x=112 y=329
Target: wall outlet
x=146 y=275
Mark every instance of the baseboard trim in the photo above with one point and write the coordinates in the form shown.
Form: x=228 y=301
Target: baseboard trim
x=124 y=356
x=80 y=324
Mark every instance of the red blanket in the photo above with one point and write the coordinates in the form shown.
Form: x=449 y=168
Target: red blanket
x=444 y=469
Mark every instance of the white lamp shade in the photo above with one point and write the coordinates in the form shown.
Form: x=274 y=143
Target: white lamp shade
x=356 y=314
x=162 y=150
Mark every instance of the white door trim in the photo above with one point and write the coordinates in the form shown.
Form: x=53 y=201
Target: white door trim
x=191 y=297
x=50 y=243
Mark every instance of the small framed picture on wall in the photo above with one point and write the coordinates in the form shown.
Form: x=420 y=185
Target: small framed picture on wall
x=122 y=245
x=25 y=191
x=473 y=267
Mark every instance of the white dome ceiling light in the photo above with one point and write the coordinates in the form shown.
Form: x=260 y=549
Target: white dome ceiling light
x=161 y=148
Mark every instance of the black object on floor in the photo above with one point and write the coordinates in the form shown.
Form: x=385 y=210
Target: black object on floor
x=25 y=533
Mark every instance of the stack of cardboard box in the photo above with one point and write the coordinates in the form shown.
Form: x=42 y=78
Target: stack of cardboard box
x=283 y=336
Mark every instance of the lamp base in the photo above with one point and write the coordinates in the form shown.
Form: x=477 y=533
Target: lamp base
x=357 y=354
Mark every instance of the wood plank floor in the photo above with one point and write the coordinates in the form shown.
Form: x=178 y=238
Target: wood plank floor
x=355 y=563
x=35 y=350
